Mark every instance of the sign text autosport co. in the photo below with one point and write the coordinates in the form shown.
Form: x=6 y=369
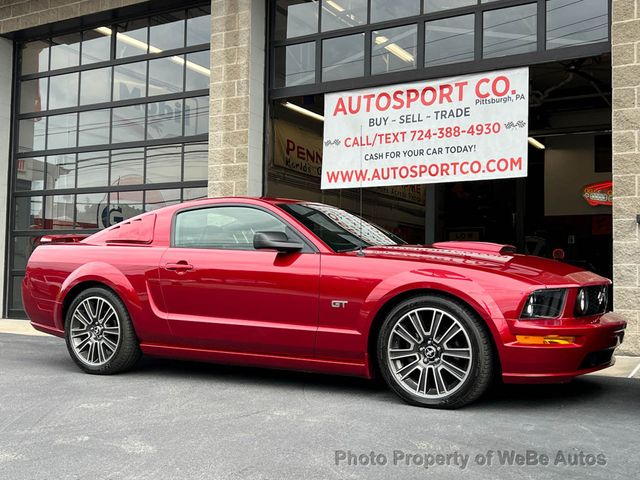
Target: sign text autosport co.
x=471 y=127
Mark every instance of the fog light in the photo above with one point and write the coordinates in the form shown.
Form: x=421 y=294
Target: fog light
x=546 y=340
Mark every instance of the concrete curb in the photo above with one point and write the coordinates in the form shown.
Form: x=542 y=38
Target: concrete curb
x=18 y=327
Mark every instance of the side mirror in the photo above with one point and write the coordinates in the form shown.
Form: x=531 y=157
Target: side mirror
x=275 y=240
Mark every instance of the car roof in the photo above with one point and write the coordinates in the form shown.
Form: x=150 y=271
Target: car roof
x=238 y=199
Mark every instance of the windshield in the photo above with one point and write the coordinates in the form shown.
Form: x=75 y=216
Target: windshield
x=340 y=230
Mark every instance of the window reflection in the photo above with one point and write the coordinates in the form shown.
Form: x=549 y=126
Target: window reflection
x=129 y=81
x=164 y=119
x=34 y=57
x=195 y=161
x=338 y=14
x=194 y=193
x=571 y=22
x=164 y=164
x=166 y=31
x=96 y=45
x=196 y=116
x=166 y=75
x=32 y=134
x=30 y=174
x=61 y=171
x=33 y=95
x=62 y=131
x=510 y=31
x=431 y=6
x=28 y=213
x=295 y=18
x=91 y=210
x=59 y=211
x=123 y=205
x=382 y=10
x=198 y=26
x=93 y=169
x=22 y=248
x=95 y=86
x=394 y=49
x=343 y=57
x=127 y=124
x=295 y=64
x=65 y=51
x=450 y=40
x=63 y=90
x=154 y=199
x=127 y=166
x=93 y=128
x=16 y=296
x=198 y=71
x=132 y=38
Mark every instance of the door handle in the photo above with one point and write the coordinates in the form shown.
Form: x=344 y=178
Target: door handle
x=179 y=267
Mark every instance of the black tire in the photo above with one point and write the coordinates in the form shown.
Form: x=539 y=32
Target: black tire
x=479 y=367
x=127 y=350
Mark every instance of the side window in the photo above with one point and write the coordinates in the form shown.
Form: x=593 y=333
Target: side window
x=229 y=228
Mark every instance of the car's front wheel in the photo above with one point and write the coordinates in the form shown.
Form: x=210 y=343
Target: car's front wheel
x=99 y=334
x=435 y=352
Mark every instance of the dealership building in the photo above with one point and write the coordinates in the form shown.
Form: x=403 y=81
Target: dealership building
x=115 y=107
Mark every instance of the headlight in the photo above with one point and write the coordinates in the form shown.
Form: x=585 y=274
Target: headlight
x=582 y=302
x=547 y=303
x=591 y=300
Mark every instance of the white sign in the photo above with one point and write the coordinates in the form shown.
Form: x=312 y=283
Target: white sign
x=472 y=127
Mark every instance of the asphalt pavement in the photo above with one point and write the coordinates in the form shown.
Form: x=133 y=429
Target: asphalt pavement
x=184 y=420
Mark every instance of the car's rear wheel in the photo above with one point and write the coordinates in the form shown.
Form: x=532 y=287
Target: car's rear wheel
x=435 y=352
x=99 y=334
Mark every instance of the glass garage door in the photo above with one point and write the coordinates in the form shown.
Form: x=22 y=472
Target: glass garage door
x=111 y=121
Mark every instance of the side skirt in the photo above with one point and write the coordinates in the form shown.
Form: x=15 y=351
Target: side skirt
x=257 y=360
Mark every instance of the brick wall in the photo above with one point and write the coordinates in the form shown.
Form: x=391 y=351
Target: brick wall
x=18 y=15
x=626 y=166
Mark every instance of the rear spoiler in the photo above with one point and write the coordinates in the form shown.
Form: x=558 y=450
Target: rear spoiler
x=70 y=238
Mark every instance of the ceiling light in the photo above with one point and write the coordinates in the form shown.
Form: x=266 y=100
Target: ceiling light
x=303 y=111
x=144 y=46
x=399 y=52
x=335 y=6
x=395 y=49
x=535 y=143
x=380 y=39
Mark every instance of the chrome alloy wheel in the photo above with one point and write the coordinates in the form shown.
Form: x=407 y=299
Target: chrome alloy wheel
x=95 y=331
x=429 y=353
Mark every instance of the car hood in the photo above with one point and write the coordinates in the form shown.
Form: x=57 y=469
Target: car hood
x=495 y=257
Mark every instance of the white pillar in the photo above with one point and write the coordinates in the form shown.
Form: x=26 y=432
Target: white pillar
x=256 y=98
x=6 y=84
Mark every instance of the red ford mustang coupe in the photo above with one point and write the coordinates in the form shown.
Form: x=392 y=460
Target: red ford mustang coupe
x=300 y=285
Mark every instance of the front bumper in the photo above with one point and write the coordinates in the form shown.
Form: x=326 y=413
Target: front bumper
x=595 y=341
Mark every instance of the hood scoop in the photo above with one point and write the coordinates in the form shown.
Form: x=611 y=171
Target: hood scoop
x=477 y=247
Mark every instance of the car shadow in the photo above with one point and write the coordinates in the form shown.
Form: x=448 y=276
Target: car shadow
x=588 y=391
x=253 y=375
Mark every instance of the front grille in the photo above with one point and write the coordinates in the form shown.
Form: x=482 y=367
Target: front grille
x=596 y=305
x=597 y=359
